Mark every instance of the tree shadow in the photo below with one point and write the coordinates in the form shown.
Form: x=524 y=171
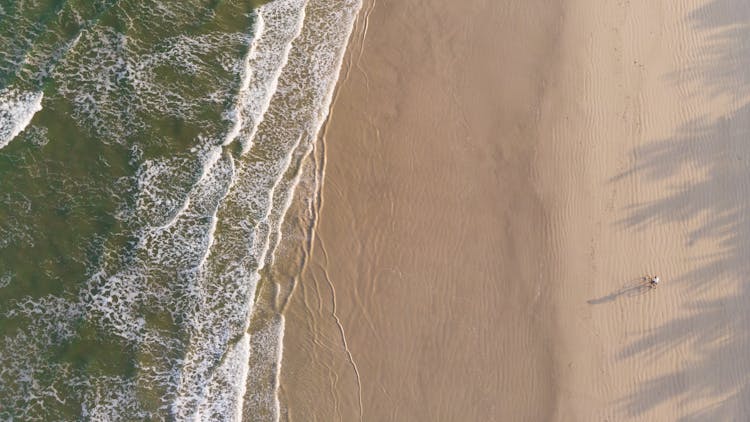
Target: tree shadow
x=714 y=154
x=720 y=65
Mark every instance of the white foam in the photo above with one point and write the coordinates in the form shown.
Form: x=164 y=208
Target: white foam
x=24 y=364
x=278 y=24
x=313 y=67
x=16 y=111
x=241 y=377
x=333 y=58
x=206 y=221
x=92 y=76
x=5 y=280
x=110 y=398
x=235 y=115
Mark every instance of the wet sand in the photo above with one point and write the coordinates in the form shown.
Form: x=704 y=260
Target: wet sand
x=497 y=178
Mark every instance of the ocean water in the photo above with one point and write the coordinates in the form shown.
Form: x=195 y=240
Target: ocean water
x=149 y=151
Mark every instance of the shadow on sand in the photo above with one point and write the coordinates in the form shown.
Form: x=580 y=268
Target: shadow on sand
x=633 y=288
x=717 y=331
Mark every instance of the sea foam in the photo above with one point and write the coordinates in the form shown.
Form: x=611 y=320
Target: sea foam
x=16 y=111
x=204 y=223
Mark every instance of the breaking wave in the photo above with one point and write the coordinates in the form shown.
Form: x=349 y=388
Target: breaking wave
x=169 y=296
x=16 y=111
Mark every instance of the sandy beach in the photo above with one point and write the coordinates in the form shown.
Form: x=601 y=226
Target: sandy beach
x=497 y=178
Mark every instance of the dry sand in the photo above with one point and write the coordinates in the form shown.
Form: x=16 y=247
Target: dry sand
x=498 y=176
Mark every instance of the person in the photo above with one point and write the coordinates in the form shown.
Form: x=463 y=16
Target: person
x=654 y=281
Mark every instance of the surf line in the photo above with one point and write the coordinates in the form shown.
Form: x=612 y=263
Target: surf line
x=320 y=166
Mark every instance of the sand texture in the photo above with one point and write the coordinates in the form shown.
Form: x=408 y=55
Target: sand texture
x=497 y=177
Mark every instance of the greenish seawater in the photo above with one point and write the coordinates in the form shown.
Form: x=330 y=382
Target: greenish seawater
x=148 y=152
